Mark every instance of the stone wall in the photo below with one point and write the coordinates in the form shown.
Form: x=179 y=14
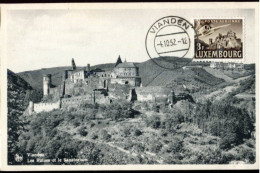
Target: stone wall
x=132 y=81
x=85 y=87
x=101 y=99
x=76 y=101
x=55 y=92
x=39 y=107
x=153 y=93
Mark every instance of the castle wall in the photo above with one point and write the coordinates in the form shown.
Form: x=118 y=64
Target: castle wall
x=90 y=98
x=39 y=107
x=85 y=87
x=132 y=81
x=76 y=101
x=55 y=92
x=132 y=71
x=101 y=99
x=154 y=94
x=117 y=91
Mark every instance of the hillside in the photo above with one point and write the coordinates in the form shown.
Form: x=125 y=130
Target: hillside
x=218 y=73
x=17 y=89
x=182 y=135
x=192 y=79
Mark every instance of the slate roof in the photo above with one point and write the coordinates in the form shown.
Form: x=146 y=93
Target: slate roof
x=126 y=65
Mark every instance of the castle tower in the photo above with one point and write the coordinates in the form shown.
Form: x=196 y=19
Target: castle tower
x=46 y=84
x=88 y=67
x=73 y=64
x=31 y=108
x=65 y=75
x=172 y=97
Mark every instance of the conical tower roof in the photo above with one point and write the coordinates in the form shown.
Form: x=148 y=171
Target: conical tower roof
x=73 y=64
x=119 y=61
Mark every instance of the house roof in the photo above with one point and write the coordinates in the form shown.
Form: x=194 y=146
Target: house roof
x=126 y=65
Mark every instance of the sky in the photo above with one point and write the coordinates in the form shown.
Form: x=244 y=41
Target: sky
x=235 y=27
x=50 y=38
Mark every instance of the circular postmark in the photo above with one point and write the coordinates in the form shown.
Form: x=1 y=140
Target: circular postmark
x=169 y=44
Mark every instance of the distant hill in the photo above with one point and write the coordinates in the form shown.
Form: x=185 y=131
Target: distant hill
x=150 y=72
x=153 y=75
x=20 y=92
x=34 y=77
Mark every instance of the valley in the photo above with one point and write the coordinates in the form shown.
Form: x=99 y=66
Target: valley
x=217 y=128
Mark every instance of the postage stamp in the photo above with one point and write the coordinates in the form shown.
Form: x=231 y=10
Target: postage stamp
x=219 y=38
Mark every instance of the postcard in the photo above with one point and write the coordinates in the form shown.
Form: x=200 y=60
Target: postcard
x=129 y=86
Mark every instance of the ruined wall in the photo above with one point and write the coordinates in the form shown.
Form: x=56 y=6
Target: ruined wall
x=55 y=92
x=101 y=99
x=153 y=93
x=76 y=101
x=39 y=107
x=132 y=81
x=90 y=98
x=85 y=87
x=116 y=91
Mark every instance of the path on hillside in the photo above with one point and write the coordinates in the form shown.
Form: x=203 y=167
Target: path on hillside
x=241 y=78
x=222 y=92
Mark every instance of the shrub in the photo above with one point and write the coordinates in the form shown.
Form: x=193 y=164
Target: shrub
x=92 y=124
x=155 y=147
x=82 y=131
x=126 y=131
x=71 y=109
x=128 y=144
x=139 y=148
x=104 y=135
x=76 y=123
x=153 y=121
x=228 y=141
x=163 y=132
x=94 y=136
x=137 y=132
x=175 y=146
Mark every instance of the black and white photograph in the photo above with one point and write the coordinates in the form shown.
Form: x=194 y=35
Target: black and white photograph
x=129 y=84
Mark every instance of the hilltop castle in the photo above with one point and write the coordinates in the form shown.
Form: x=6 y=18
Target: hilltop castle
x=228 y=41
x=99 y=86
x=124 y=73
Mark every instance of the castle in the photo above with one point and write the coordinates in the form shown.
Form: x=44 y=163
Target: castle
x=228 y=41
x=99 y=86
